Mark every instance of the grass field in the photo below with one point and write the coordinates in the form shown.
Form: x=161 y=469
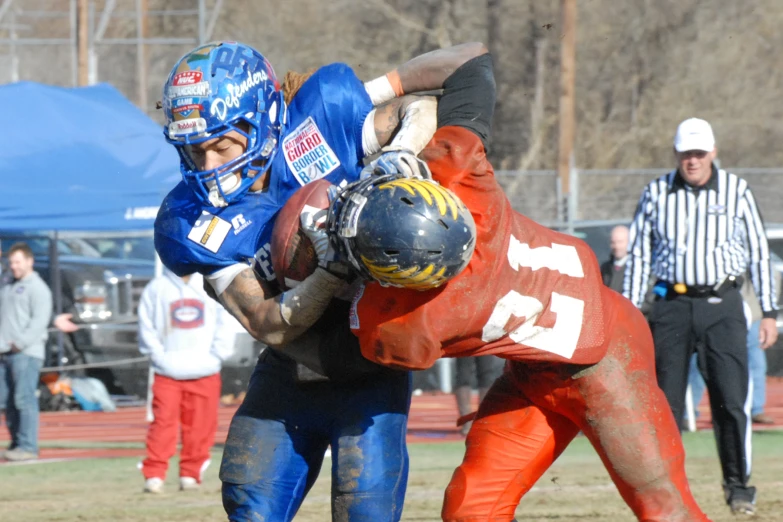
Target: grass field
x=576 y=488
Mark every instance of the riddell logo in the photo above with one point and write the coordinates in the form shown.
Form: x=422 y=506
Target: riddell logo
x=187 y=78
x=181 y=127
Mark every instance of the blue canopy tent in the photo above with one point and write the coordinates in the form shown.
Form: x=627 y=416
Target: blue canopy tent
x=79 y=159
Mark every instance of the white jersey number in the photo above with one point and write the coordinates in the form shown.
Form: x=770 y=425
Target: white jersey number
x=563 y=337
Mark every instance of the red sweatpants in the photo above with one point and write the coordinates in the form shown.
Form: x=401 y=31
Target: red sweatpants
x=532 y=413
x=193 y=404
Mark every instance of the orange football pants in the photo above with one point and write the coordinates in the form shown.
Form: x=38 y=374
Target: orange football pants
x=191 y=405
x=532 y=413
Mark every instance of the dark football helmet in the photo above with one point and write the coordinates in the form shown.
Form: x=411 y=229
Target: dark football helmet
x=404 y=232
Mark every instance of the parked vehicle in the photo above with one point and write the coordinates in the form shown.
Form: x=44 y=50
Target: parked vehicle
x=101 y=277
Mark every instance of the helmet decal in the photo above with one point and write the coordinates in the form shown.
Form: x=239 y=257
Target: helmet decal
x=188 y=87
x=413 y=277
x=445 y=200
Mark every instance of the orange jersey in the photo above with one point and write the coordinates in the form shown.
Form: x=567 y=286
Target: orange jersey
x=529 y=293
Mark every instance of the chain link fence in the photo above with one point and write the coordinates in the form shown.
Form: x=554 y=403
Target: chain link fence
x=38 y=40
x=612 y=195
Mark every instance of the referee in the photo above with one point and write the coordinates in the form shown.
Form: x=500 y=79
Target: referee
x=697 y=229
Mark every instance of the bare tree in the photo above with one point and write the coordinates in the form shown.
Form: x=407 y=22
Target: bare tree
x=642 y=65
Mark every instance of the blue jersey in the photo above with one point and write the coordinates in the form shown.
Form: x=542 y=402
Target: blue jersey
x=322 y=139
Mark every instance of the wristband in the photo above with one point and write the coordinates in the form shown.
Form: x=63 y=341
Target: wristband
x=395 y=82
x=380 y=90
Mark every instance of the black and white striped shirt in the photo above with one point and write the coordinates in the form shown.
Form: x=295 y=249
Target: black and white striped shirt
x=698 y=236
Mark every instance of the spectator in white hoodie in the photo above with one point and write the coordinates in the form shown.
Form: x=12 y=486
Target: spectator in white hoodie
x=187 y=336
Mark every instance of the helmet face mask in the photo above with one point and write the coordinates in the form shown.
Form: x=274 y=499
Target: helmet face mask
x=214 y=90
x=409 y=233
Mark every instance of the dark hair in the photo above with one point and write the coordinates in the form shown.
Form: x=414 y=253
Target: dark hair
x=24 y=248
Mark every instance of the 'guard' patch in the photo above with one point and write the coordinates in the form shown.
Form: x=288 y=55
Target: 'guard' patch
x=307 y=154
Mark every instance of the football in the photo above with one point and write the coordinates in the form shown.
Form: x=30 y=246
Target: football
x=293 y=255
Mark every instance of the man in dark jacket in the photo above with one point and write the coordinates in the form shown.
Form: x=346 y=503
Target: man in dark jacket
x=613 y=270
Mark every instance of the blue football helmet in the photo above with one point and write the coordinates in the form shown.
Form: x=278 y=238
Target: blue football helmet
x=405 y=232
x=215 y=89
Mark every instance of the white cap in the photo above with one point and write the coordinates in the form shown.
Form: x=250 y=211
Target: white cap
x=694 y=134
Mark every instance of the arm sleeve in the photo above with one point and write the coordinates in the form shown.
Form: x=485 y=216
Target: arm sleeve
x=468 y=98
x=150 y=338
x=346 y=104
x=221 y=279
x=225 y=334
x=758 y=249
x=41 y=314
x=637 y=269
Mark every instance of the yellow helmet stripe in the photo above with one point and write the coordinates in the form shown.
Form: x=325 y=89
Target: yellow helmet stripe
x=427 y=275
x=427 y=285
x=426 y=279
x=377 y=268
x=431 y=192
x=411 y=278
x=388 y=273
x=394 y=277
x=437 y=195
x=412 y=187
x=445 y=199
x=422 y=189
x=391 y=185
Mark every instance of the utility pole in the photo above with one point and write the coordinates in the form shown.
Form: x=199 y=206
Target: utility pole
x=141 y=52
x=14 y=57
x=83 y=36
x=567 y=110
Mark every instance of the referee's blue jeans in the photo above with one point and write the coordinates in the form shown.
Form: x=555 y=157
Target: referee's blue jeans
x=757 y=365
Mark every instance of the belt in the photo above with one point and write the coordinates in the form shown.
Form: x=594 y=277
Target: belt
x=672 y=290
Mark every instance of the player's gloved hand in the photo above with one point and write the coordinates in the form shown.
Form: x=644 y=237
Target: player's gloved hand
x=314 y=227
x=397 y=161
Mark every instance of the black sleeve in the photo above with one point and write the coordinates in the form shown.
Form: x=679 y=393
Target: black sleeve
x=469 y=96
x=338 y=348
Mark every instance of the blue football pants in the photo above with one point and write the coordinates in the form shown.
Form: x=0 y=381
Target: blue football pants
x=278 y=437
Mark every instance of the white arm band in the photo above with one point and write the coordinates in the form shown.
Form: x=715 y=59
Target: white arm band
x=417 y=127
x=380 y=90
x=303 y=305
x=370 y=143
x=223 y=277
